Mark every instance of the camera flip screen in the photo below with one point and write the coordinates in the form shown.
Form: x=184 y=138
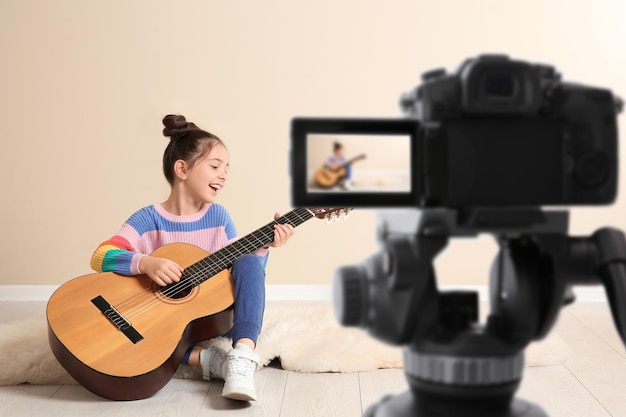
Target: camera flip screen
x=356 y=162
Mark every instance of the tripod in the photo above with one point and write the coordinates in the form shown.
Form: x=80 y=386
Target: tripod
x=455 y=366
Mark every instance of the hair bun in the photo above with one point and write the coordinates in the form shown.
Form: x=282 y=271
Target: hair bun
x=176 y=125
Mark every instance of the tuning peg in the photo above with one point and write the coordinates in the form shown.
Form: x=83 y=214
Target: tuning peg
x=336 y=215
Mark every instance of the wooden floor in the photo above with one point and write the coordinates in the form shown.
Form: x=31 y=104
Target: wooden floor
x=579 y=370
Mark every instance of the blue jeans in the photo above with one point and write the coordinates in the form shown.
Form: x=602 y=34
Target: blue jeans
x=249 y=281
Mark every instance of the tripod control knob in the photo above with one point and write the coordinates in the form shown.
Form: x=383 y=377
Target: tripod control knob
x=350 y=296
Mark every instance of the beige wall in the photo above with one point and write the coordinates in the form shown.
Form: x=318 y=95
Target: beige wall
x=381 y=152
x=84 y=85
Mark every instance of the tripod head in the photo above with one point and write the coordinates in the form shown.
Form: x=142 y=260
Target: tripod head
x=453 y=363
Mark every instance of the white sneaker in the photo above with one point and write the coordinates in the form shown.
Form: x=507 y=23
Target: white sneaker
x=346 y=185
x=239 y=374
x=212 y=361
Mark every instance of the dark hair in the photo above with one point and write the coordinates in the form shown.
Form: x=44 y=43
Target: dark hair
x=337 y=146
x=187 y=142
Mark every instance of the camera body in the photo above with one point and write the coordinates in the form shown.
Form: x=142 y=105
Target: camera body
x=497 y=132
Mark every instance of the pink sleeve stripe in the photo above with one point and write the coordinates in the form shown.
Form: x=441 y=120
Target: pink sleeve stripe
x=119 y=242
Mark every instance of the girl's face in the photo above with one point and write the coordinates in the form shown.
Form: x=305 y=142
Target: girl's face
x=207 y=177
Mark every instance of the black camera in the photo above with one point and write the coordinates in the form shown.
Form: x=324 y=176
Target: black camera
x=497 y=132
x=480 y=151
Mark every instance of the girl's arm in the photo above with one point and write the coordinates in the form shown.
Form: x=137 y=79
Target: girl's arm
x=116 y=255
x=119 y=256
x=123 y=252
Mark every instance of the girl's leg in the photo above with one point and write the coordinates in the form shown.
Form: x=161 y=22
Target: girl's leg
x=237 y=366
x=241 y=362
x=249 y=281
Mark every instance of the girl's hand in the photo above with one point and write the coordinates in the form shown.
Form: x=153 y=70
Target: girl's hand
x=282 y=233
x=160 y=270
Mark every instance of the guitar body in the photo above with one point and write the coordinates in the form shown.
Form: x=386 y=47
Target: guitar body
x=115 y=364
x=328 y=178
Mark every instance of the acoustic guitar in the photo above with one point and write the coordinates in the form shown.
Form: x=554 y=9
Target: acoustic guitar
x=329 y=177
x=123 y=337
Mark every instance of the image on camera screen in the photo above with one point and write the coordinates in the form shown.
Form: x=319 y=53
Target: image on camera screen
x=358 y=163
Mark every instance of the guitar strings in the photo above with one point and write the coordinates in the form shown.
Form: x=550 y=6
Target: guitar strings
x=145 y=300
x=140 y=302
x=195 y=277
x=199 y=275
x=205 y=273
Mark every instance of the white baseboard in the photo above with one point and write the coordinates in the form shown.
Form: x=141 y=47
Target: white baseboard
x=277 y=292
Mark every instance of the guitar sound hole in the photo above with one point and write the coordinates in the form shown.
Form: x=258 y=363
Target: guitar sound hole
x=174 y=293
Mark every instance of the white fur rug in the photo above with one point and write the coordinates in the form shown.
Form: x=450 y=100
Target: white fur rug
x=306 y=337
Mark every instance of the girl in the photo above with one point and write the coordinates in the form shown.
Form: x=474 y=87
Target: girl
x=337 y=160
x=195 y=164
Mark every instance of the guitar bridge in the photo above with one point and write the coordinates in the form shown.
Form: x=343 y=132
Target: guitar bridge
x=117 y=319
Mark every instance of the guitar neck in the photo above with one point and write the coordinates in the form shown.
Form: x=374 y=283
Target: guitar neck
x=225 y=257
x=351 y=161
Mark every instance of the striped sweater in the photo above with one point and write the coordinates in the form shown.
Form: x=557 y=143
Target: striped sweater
x=152 y=227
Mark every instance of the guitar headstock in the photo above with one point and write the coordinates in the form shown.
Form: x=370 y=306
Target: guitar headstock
x=330 y=213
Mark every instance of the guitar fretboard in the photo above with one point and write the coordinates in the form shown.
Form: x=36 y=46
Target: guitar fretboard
x=224 y=258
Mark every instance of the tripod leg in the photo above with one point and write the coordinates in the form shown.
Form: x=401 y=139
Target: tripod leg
x=611 y=245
